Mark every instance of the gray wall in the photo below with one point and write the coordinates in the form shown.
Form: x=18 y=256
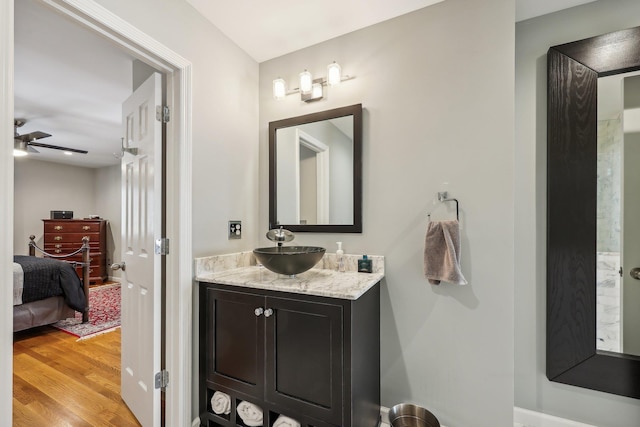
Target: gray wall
x=41 y=187
x=532 y=389
x=108 y=193
x=437 y=90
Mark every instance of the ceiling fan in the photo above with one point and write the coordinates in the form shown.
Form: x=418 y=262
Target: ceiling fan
x=25 y=143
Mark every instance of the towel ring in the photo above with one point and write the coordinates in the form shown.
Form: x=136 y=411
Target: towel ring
x=442 y=197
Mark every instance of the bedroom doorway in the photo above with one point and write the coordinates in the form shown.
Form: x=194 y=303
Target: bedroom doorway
x=178 y=183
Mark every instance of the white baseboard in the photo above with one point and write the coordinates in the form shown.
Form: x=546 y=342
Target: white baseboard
x=521 y=418
x=526 y=418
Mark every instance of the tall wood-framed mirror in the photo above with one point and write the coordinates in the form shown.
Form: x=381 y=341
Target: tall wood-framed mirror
x=315 y=172
x=573 y=70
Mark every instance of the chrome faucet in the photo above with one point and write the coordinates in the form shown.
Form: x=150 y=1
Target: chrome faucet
x=280 y=235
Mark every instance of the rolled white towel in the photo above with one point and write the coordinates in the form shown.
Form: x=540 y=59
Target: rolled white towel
x=18 y=283
x=221 y=403
x=283 y=421
x=251 y=414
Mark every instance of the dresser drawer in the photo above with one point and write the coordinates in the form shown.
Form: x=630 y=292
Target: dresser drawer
x=94 y=257
x=71 y=227
x=68 y=247
x=75 y=238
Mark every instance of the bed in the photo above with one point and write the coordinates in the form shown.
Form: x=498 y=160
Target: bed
x=47 y=289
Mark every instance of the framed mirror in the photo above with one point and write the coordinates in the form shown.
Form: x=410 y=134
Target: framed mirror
x=315 y=172
x=573 y=219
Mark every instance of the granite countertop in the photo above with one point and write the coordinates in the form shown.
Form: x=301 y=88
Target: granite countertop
x=323 y=280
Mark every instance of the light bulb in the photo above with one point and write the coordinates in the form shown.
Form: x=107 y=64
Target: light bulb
x=316 y=91
x=306 y=82
x=334 y=74
x=279 y=88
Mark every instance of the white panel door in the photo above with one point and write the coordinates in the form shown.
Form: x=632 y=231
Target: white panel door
x=141 y=226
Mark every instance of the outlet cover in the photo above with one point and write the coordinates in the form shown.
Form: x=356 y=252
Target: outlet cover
x=235 y=230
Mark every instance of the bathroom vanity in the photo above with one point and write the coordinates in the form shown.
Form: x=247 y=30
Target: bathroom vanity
x=306 y=347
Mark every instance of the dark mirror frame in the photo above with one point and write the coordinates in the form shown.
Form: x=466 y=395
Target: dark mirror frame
x=573 y=70
x=352 y=110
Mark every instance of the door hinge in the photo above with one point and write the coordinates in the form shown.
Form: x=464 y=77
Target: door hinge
x=162 y=113
x=162 y=246
x=162 y=379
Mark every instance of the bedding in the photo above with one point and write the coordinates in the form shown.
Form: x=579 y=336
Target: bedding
x=43 y=278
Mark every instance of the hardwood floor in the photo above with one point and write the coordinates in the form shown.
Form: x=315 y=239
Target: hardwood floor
x=58 y=381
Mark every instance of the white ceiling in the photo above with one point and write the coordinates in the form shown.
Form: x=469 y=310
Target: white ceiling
x=71 y=83
x=266 y=30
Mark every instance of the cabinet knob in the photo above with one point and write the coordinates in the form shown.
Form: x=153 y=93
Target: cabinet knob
x=86 y=227
x=268 y=312
x=57 y=227
x=258 y=311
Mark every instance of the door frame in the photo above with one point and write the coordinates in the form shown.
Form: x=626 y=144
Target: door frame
x=322 y=174
x=178 y=73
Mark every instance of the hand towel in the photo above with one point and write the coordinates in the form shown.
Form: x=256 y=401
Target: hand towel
x=251 y=414
x=442 y=253
x=18 y=283
x=283 y=421
x=221 y=403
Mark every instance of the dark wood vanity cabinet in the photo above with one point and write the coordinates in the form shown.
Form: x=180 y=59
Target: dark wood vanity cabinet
x=314 y=359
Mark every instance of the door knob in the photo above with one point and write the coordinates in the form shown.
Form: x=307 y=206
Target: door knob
x=635 y=273
x=118 y=266
x=268 y=312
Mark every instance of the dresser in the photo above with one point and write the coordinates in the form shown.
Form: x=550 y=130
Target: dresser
x=63 y=236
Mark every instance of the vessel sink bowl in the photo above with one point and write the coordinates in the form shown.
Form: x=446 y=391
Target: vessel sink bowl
x=289 y=260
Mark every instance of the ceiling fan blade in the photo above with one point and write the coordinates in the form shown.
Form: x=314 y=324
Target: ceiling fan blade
x=28 y=137
x=30 y=149
x=58 y=147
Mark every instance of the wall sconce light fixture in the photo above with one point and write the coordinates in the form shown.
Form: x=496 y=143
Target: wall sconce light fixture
x=123 y=149
x=310 y=89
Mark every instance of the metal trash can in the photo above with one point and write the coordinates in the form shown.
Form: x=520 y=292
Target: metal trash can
x=408 y=415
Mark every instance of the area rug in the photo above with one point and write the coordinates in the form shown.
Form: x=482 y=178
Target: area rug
x=104 y=314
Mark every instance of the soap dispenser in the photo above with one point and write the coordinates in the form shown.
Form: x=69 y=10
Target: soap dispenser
x=364 y=265
x=340 y=257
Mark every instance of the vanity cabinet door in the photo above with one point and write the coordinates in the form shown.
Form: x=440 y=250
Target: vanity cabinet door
x=235 y=340
x=304 y=357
